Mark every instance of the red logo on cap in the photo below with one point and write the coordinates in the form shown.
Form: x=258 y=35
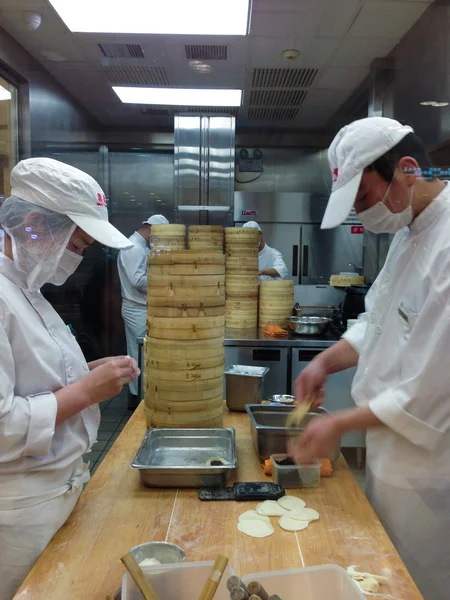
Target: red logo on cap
x=335 y=175
x=101 y=200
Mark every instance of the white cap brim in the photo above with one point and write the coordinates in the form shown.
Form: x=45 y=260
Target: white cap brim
x=340 y=203
x=102 y=231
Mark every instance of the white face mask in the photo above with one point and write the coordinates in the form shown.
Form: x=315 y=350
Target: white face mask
x=67 y=265
x=379 y=219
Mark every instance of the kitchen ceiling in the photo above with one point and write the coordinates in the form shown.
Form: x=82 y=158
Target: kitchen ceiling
x=337 y=41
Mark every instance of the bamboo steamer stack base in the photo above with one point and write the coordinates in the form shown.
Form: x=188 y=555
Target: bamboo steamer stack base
x=241 y=277
x=206 y=238
x=168 y=237
x=276 y=301
x=184 y=348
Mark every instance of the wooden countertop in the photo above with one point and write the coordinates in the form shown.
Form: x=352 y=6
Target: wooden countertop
x=115 y=513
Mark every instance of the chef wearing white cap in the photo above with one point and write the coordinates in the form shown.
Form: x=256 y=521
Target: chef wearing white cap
x=271 y=263
x=132 y=266
x=49 y=395
x=400 y=344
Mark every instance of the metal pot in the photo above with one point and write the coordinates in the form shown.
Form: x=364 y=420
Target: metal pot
x=308 y=325
x=315 y=311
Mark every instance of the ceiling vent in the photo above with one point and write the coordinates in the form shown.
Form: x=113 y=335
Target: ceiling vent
x=204 y=52
x=277 y=98
x=283 y=78
x=121 y=50
x=204 y=109
x=272 y=114
x=137 y=75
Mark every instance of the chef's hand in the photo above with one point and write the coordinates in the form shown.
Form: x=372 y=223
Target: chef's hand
x=107 y=380
x=310 y=382
x=318 y=440
x=101 y=361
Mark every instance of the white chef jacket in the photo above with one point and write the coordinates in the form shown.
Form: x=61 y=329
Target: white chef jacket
x=38 y=356
x=403 y=375
x=132 y=266
x=269 y=258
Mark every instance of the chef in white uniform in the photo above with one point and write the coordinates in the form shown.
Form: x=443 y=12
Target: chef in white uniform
x=49 y=395
x=401 y=345
x=271 y=263
x=132 y=267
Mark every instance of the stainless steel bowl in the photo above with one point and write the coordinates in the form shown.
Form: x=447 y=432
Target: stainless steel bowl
x=282 y=399
x=308 y=325
x=163 y=551
x=315 y=311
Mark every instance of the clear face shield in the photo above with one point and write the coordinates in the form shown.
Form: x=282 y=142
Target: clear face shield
x=39 y=238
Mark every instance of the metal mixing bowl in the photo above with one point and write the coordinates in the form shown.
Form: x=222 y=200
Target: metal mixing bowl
x=282 y=399
x=308 y=325
x=163 y=551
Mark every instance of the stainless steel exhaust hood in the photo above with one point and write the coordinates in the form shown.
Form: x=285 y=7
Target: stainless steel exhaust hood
x=204 y=149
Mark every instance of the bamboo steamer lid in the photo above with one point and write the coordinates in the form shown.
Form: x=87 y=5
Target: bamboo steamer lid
x=183 y=364
x=155 y=280
x=186 y=257
x=185 y=386
x=186 y=293
x=189 y=375
x=184 y=311
x=186 y=269
x=194 y=405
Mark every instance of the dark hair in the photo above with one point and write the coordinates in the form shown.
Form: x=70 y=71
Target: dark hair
x=410 y=145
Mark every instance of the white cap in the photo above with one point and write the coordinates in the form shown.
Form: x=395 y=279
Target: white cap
x=156 y=220
x=252 y=225
x=355 y=147
x=66 y=190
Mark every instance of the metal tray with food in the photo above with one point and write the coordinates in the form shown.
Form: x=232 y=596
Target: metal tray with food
x=270 y=434
x=176 y=458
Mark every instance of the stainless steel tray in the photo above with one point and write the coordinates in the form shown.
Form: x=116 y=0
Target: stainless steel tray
x=175 y=458
x=269 y=433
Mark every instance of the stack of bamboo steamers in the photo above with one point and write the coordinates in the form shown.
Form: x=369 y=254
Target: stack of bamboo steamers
x=241 y=263
x=184 y=348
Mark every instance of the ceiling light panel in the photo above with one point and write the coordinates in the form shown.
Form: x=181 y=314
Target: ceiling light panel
x=196 y=17
x=178 y=96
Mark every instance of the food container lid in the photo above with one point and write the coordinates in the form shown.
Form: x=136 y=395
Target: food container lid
x=246 y=371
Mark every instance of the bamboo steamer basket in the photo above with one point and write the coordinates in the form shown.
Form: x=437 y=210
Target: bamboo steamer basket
x=186 y=257
x=181 y=407
x=168 y=237
x=184 y=311
x=206 y=237
x=183 y=364
x=175 y=302
x=239 y=263
x=244 y=322
x=185 y=334
x=241 y=285
x=186 y=269
x=276 y=287
x=193 y=350
x=276 y=301
x=190 y=281
x=193 y=419
x=235 y=235
x=241 y=303
x=198 y=385
x=186 y=375
x=154 y=393
x=186 y=293
x=188 y=323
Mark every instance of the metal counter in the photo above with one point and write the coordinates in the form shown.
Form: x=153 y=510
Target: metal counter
x=256 y=338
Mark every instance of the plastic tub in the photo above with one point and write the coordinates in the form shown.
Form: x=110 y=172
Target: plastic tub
x=327 y=582
x=295 y=476
x=182 y=581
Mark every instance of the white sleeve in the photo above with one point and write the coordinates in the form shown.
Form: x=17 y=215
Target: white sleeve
x=134 y=262
x=279 y=265
x=27 y=425
x=418 y=406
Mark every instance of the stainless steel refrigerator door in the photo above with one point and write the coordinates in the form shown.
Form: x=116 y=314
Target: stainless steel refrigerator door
x=338 y=392
x=325 y=252
x=276 y=359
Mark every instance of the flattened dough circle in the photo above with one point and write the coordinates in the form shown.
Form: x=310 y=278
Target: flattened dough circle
x=291 y=502
x=270 y=508
x=252 y=515
x=256 y=529
x=304 y=514
x=289 y=524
